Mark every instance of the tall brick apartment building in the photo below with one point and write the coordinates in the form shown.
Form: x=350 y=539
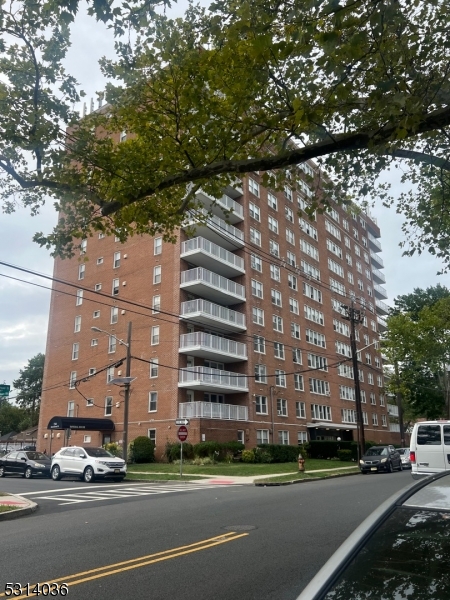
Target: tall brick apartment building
x=238 y=326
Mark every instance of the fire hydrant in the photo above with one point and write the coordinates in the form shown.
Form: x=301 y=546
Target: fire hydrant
x=301 y=463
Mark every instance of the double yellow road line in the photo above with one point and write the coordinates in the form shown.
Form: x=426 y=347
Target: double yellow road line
x=135 y=563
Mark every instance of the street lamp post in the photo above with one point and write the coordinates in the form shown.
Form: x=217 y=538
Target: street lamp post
x=127 y=384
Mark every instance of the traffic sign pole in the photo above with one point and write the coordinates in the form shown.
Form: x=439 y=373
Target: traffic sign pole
x=182 y=434
x=181 y=460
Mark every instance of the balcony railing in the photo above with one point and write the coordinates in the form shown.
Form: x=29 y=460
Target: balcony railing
x=203 y=311
x=382 y=325
x=215 y=282
x=212 y=380
x=374 y=243
x=378 y=276
x=224 y=207
x=376 y=260
x=212 y=410
x=380 y=291
x=215 y=229
x=392 y=410
x=382 y=307
x=206 y=345
x=205 y=253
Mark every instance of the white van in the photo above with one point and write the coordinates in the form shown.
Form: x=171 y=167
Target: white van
x=430 y=448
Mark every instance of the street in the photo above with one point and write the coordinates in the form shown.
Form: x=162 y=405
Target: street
x=197 y=542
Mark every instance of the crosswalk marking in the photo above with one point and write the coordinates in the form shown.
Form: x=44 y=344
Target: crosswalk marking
x=64 y=498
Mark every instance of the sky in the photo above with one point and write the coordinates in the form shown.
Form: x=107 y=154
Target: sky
x=24 y=307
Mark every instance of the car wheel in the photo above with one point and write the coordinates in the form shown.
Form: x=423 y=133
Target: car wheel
x=2 y=471
x=56 y=473
x=28 y=473
x=390 y=468
x=363 y=472
x=88 y=475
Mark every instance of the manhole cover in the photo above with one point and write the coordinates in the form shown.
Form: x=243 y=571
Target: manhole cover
x=240 y=527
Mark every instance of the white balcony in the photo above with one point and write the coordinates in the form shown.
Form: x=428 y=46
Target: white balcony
x=203 y=253
x=214 y=229
x=376 y=260
x=212 y=347
x=234 y=190
x=382 y=325
x=213 y=315
x=224 y=207
x=392 y=410
x=212 y=410
x=212 y=380
x=378 y=276
x=379 y=291
x=382 y=307
x=374 y=243
x=212 y=286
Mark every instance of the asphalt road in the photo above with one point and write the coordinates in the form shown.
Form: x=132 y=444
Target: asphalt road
x=216 y=543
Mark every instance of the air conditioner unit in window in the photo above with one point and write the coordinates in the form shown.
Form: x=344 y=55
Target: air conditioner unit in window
x=328 y=394
x=280 y=413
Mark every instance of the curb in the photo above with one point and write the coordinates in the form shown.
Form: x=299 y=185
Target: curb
x=19 y=512
x=273 y=484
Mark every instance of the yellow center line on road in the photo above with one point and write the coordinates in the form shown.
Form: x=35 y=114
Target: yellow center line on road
x=141 y=561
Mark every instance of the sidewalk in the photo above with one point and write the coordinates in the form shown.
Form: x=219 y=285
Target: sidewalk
x=21 y=506
x=238 y=479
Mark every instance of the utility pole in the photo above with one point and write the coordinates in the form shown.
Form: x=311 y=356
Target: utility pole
x=398 y=396
x=355 y=316
x=127 y=395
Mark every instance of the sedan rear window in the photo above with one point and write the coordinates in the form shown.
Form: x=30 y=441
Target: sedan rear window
x=36 y=456
x=377 y=452
x=98 y=452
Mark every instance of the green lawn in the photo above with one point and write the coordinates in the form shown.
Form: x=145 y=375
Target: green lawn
x=237 y=469
x=6 y=508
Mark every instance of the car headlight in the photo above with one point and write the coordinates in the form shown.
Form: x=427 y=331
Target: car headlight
x=383 y=460
x=361 y=462
x=102 y=462
x=38 y=465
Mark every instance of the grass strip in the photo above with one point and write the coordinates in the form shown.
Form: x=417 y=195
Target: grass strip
x=312 y=475
x=7 y=508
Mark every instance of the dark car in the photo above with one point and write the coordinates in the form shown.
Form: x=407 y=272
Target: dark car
x=26 y=463
x=380 y=458
x=401 y=551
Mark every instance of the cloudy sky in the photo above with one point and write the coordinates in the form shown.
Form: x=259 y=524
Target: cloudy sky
x=24 y=307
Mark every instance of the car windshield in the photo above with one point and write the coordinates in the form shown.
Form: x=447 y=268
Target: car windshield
x=98 y=452
x=407 y=557
x=377 y=452
x=36 y=456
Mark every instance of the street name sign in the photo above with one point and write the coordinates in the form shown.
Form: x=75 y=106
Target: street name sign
x=182 y=422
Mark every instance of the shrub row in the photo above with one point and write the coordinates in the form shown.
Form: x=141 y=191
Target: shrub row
x=218 y=451
x=330 y=449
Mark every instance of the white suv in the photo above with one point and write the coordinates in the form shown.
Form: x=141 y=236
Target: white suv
x=87 y=463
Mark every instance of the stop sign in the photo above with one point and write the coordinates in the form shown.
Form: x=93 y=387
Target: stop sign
x=182 y=433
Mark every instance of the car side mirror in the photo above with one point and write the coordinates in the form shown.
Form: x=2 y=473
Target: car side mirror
x=23 y=458
x=83 y=456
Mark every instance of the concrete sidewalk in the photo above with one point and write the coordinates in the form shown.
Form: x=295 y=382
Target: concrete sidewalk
x=21 y=506
x=238 y=479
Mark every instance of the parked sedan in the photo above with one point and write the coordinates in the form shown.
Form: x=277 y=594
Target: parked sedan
x=401 y=551
x=380 y=458
x=26 y=463
x=87 y=463
x=405 y=457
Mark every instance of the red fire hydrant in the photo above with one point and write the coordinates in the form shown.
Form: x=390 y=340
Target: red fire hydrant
x=301 y=463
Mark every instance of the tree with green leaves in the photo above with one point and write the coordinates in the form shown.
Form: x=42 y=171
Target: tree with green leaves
x=418 y=343
x=414 y=302
x=12 y=419
x=241 y=86
x=29 y=387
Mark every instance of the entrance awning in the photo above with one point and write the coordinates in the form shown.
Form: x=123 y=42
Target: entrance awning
x=325 y=425
x=80 y=423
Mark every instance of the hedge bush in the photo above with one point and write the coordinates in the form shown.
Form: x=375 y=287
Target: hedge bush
x=217 y=450
x=280 y=453
x=329 y=448
x=345 y=455
x=142 y=450
x=173 y=451
x=114 y=448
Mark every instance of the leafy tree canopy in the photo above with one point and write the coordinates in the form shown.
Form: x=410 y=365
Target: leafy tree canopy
x=12 y=418
x=358 y=86
x=29 y=386
x=414 y=302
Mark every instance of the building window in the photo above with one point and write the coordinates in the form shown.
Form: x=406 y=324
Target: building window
x=321 y=412
x=370 y=378
x=298 y=382
x=374 y=419
x=297 y=356
x=86 y=439
x=291 y=259
x=114 y=314
x=157 y=274
x=94 y=342
x=255 y=236
x=275 y=272
x=313 y=314
x=156 y=304
x=313 y=337
x=295 y=330
x=154 y=367
x=373 y=399
x=292 y=282
x=79 y=299
x=96 y=314
x=157 y=246
x=89 y=401
x=155 y=335
x=277 y=323
x=278 y=350
x=293 y=306
x=302 y=438
x=108 y=406
x=152 y=401
x=92 y=371
x=100 y=260
x=83 y=247
x=300 y=410
x=280 y=378
x=115 y=287
x=257 y=288
x=77 y=325
x=253 y=186
x=283 y=437
x=122 y=136
x=151 y=434
x=112 y=344
x=282 y=410
x=254 y=211
x=261 y=405
x=256 y=263
x=290 y=237
x=317 y=362
x=383 y=421
x=318 y=386
x=262 y=436
x=75 y=350
x=259 y=344
x=258 y=315
x=71 y=408
x=81 y=271
x=276 y=297
x=109 y=374
x=97 y=287
x=116 y=261
x=272 y=201
x=72 y=380
x=382 y=403
x=261 y=373
x=274 y=248
x=289 y=214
